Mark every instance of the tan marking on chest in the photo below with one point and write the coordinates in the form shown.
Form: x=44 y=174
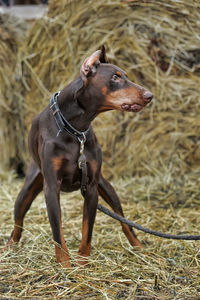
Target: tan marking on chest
x=57 y=163
x=94 y=166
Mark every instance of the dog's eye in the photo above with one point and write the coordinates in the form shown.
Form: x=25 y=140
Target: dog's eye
x=115 y=77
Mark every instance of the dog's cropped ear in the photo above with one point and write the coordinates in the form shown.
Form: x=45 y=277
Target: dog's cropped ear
x=90 y=64
x=103 y=58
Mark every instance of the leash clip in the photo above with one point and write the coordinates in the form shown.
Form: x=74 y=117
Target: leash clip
x=82 y=158
x=59 y=131
x=82 y=142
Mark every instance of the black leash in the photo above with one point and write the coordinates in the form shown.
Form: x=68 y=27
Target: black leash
x=144 y=229
x=63 y=124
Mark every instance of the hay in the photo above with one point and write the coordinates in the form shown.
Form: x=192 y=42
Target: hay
x=115 y=270
x=12 y=34
x=160 y=51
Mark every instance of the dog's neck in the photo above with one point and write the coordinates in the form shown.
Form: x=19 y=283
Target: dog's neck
x=71 y=103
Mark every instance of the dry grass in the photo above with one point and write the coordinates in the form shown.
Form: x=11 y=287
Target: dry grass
x=115 y=270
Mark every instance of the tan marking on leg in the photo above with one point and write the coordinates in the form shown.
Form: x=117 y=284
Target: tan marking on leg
x=85 y=247
x=131 y=238
x=61 y=251
x=16 y=234
x=18 y=227
x=62 y=256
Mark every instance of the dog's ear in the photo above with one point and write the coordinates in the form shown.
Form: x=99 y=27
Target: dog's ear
x=90 y=64
x=103 y=58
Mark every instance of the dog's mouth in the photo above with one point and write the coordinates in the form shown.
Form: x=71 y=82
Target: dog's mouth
x=132 y=107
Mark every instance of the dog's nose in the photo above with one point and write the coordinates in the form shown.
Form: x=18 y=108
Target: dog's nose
x=148 y=96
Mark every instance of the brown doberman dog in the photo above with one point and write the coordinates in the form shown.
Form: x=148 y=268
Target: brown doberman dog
x=66 y=154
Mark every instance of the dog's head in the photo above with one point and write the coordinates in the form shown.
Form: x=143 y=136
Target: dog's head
x=110 y=86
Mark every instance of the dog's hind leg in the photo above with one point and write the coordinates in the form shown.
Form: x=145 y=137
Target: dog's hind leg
x=33 y=185
x=107 y=192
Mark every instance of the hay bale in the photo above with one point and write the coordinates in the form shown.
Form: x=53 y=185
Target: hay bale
x=156 y=43
x=12 y=33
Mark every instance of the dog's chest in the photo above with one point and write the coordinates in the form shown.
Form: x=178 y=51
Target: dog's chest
x=68 y=172
x=65 y=164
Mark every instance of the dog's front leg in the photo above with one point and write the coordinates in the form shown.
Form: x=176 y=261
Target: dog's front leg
x=89 y=213
x=52 y=197
x=54 y=214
